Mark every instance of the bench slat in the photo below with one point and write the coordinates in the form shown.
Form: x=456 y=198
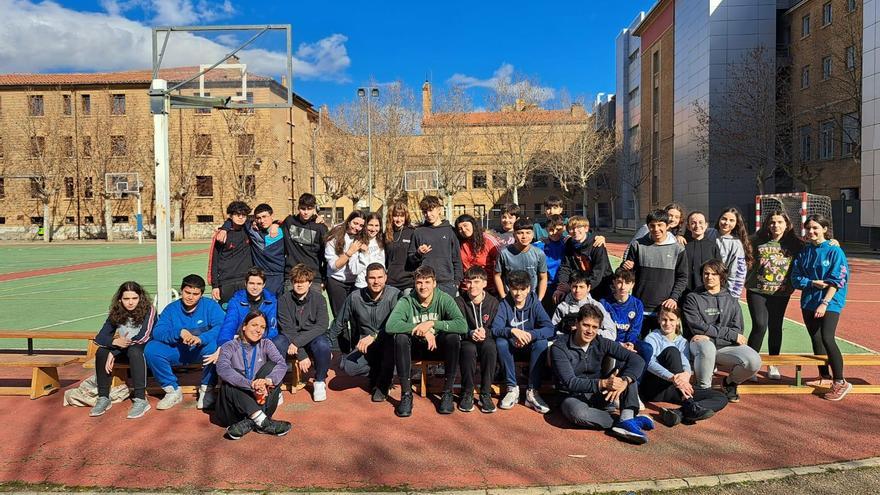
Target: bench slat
x=36 y=360
x=36 y=334
x=810 y=359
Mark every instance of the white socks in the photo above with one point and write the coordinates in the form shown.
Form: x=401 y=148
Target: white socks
x=259 y=417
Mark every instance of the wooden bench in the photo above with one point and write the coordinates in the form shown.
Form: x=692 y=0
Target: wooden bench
x=44 y=379
x=801 y=360
x=31 y=335
x=120 y=375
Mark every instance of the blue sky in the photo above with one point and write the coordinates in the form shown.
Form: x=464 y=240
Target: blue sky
x=341 y=45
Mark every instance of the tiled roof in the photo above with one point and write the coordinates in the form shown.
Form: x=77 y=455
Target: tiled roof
x=174 y=74
x=529 y=117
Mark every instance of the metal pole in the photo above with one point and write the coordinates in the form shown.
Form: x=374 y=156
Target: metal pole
x=369 y=155
x=140 y=219
x=163 y=200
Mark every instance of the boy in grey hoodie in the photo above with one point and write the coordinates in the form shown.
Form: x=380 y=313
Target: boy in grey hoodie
x=565 y=316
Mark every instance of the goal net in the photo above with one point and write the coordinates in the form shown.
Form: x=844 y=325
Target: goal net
x=797 y=205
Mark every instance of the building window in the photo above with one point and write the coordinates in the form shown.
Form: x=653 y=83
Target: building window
x=120 y=219
x=851 y=134
x=249 y=99
x=1 y=147
x=66 y=105
x=826 y=140
x=69 y=188
x=202 y=111
x=203 y=145
x=36 y=220
x=38 y=146
x=478 y=179
x=826 y=68
x=86 y=104
x=249 y=185
x=117 y=105
x=2 y=187
x=806 y=139
x=88 y=188
x=826 y=14
x=35 y=105
x=851 y=5
x=2 y=220
x=68 y=148
x=87 y=147
x=205 y=186
x=539 y=180
x=205 y=218
x=805 y=77
x=850 y=58
x=246 y=145
x=499 y=179
x=458 y=210
x=38 y=184
x=480 y=211
x=70 y=220
x=117 y=146
x=805 y=26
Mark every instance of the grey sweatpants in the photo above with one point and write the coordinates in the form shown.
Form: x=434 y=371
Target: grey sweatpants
x=742 y=361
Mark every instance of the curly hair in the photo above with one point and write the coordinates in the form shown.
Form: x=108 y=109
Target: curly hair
x=740 y=232
x=119 y=315
x=477 y=239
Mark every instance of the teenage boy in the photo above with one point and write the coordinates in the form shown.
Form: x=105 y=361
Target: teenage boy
x=700 y=248
x=426 y=320
x=577 y=364
x=565 y=315
x=435 y=244
x=186 y=333
x=303 y=319
x=522 y=327
x=230 y=258
x=660 y=266
x=254 y=297
x=626 y=310
x=552 y=207
x=304 y=237
x=582 y=254
x=479 y=309
x=553 y=245
x=267 y=246
x=367 y=310
x=509 y=215
x=521 y=255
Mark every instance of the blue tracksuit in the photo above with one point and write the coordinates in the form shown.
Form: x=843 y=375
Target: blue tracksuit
x=823 y=262
x=554 y=251
x=627 y=316
x=239 y=306
x=165 y=349
x=533 y=319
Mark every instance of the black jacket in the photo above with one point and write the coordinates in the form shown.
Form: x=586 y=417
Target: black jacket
x=231 y=260
x=593 y=261
x=578 y=372
x=366 y=316
x=486 y=311
x=396 y=262
x=444 y=257
x=304 y=243
x=699 y=252
x=301 y=320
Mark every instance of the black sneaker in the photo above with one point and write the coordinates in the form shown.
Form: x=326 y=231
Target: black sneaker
x=730 y=391
x=446 y=403
x=274 y=427
x=240 y=429
x=379 y=395
x=670 y=417
x=466 y=404
x=694 y=412
x=486 y=404
x=404 y=408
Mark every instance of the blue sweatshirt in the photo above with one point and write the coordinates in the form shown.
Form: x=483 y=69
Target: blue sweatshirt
x=627 y=316
x=239 y=306
x=554 y=251
x=532 y=318
x=659 y=343
x=823 y=262
x=203 y=321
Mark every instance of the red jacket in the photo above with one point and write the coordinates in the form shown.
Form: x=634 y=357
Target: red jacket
x=485 y=258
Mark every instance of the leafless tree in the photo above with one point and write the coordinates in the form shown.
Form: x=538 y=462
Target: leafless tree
x=395 y=122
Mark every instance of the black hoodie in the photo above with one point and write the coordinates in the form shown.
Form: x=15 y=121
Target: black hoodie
x=304 y=242
x=444 y=256
x=396 y=262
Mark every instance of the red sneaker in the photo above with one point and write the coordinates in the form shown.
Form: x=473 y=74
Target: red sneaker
x=838 y=391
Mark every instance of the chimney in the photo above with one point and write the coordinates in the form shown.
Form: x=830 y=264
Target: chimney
x=520 y=105
x=426 y=99
x=577 y=110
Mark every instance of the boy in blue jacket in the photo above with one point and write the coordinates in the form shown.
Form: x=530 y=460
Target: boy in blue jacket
x=186 y=333
x=254 y=296
x=521 y=326
x=626 y=310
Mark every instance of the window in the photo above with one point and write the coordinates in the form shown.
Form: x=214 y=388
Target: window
x=805 y=77
x=69 y=188
x=499 y=179
x=826 y=68
x=2 y=220
x=205 y=218
x=851 y=134
x=35 y=105
x=87 y=147
x=246 y=145
x=38 y=146
x=205 y=186
x=805 y=26
x=36 y=220
x=38 y=184
x=120 y=219
x=117 y=105
x=88 y=219
x=826 y=140
x=68 y=148
x=249 y=99
x=66 y=105
x=480 y=211
x=458 y=210
x=478 y=179
x=117 y=146
x=249 y=184
x=539 y=180
x=70 y=220
x=806 y=139
x=88 y=188
x=1 y=147
x=850 y=58
x=86 y=104
x=826 y=14
x=2 y=187
x=461 y=182
x=203 y=145
x=851 y=5
x=202 y=111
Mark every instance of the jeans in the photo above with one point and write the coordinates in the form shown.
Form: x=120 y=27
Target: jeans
x=537 y=352
x=593 y=412
x=743 y=361
x=407 y=347
x=488 y=354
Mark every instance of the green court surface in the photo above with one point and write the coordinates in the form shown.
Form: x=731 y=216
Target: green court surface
x=78 y=300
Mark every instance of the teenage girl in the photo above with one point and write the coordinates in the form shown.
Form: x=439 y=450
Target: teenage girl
x=398 y=236
x=372 y=249
x=477 y=247
x=736 y=250
x=343 y=242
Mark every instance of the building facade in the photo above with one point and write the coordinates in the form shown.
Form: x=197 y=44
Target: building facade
x=627 y=122
x=870 y=146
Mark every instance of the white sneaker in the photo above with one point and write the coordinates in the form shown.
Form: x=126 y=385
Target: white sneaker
x=536 y=402
x=773 y=373
x=319 y=392
x=173 y=396
x=754 y=378
x=281 y=398
x=510 y=398
x=206 y=398
x=641 y=405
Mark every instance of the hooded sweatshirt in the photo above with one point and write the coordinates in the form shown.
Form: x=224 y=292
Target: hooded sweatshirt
x=478 y=314
x=304 y=241
x=628 y=317
x=532 y=318
x=204 y=321
x=396 y=262
x=142 y=333
x=442 y=310
x=734 y=257
x=661 y=270
x=659 y=343
x=303 y=319
x=699 y=252
x=239 y=306
x=230 y=260
x=566 y=313
x=238 y=362
x=593 y=261
x=823 y=262
x=444 y=256
x=717 y=316
x=366 y=316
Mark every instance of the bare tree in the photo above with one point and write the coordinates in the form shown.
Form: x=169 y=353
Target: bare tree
x=395 y=121
x=579 y=153
x=245 y=158
x=342 y=155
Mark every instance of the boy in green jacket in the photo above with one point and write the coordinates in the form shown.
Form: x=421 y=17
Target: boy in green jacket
x=423 y=321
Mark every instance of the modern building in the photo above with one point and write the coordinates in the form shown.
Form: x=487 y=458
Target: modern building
x=627 y=122
x=870 y=160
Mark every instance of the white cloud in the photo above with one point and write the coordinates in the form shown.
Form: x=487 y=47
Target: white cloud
x=41 y=37
x=503 y=74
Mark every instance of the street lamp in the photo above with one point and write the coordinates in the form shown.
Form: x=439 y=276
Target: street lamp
x=374 y=93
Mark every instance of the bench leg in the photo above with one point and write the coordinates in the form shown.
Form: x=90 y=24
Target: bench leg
x=44 y=381
x=120 y=377
x=423 y=381
x=797 y=376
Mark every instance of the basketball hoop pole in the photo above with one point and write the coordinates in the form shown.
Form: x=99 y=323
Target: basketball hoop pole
x=160 y=103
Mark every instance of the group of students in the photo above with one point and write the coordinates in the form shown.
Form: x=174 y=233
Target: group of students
x=656 y=329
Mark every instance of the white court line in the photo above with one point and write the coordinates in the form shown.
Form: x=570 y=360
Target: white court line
x=38 y=284
x=66 y=322
x=65 y=289
x=860 y=346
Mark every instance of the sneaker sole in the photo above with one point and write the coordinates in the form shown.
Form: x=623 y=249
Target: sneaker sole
x=669 y=418
x=539 y=408
x=691 y=421
x=232 y=437
x=629 y=436
x=162 y=407
x=139 y=415
x=462 y=409
x=488 y=411
x=399 y=415
x=844 y=394
x=100 y=413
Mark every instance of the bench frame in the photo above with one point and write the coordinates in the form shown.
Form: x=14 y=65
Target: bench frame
x=801 y=360
x=44 y=379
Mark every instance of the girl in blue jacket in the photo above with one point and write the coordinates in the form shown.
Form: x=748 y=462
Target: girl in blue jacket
x=122 y=338
x=820 y=272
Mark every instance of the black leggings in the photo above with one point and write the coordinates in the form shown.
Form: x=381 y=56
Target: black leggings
x=337 y=292
x=652 y=388
x=767 y=313
x=821 y=332
x=234 y=404
x=134 y=356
